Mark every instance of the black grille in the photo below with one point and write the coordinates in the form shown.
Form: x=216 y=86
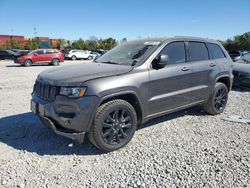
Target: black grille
x=45 y=91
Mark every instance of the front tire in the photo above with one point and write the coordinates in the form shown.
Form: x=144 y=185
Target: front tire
x=218 y=100
x=27 y=63
x=114 y=125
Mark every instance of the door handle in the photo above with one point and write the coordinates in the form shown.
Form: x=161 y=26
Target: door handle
x=212 y=65
x=185 y=69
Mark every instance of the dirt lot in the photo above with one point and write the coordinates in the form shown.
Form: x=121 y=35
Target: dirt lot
x=188 y=148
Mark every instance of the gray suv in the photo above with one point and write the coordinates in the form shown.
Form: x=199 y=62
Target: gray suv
x=131 y=84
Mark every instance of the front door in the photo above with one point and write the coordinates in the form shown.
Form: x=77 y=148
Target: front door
x=169 y=86
x=40 y=56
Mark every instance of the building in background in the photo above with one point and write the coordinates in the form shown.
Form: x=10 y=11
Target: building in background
x=44 y=42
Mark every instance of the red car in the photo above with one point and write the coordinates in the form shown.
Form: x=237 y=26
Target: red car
x=40 y=56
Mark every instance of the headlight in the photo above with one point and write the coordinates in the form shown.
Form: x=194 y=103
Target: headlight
x=73 y=92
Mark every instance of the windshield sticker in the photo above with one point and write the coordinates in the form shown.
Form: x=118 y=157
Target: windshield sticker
x=152 y=43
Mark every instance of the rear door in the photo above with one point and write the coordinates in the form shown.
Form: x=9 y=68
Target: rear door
x=49 y=55
x=202 y=70
x=39 y=56
x=80 y=54
x=169 y=86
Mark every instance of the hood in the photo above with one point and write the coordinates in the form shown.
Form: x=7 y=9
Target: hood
x=77 y=74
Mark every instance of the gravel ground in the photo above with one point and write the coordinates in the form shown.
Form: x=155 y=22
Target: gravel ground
x=184 y=149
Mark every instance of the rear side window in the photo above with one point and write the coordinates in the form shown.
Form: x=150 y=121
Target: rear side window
x=40 y=52
x=176 y=52
x=215 y=51
x=51 y=51
x=197 y=51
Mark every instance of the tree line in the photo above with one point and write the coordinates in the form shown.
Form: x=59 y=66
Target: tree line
x=238 y=42
x=90 y=44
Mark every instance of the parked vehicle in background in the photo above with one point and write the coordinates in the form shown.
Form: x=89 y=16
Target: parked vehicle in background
x=241 y=71
x=15 y=50
x=78 y=54
x=40 y=56
x=7 y=54
x=130 y=84
x=23 y=52
x=95 y=55
x=65 y=51
x=244 y=59
x=235 y=55
x=99 y=51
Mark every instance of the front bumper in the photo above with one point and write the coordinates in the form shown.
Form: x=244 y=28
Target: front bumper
x=18 y=61
x=70 y=118
x=79 y=137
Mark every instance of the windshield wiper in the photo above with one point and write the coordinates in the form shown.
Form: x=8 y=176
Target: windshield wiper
x=110 y=62
x=134 y=62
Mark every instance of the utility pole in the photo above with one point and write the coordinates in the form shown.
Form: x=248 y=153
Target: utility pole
x=35 y=31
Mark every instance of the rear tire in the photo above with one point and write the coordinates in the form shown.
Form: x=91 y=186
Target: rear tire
x=27 y=63
x=218 y=100
x=114 y=125
x=55 y=62
x=73 y=58
x=90 y=58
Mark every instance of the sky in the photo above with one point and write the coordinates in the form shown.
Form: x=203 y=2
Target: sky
x=74 y=19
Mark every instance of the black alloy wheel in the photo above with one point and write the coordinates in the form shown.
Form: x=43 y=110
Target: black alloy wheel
x=114 y=125
x=220 y=99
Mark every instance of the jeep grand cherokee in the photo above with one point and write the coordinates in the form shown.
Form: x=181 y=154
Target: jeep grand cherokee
x=131 y=84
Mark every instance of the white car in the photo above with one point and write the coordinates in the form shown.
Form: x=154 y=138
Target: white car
x=79 y=54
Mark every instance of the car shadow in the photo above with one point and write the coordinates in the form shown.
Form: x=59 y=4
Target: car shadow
x=194 y=111
x=40 y=65
x=25 y=132
x=241 y=88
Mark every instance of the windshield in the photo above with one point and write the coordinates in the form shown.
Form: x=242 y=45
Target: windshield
x=127 y=54
x=244 y=59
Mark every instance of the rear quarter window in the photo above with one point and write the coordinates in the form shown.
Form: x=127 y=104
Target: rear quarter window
x=215 y=51
x=197 y=51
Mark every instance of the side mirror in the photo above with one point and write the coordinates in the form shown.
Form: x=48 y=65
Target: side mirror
x=161 y=61
x=35 y=54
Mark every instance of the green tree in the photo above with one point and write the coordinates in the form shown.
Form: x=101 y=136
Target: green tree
x=91 y=45
x=63 y=43
x=107 y=44
x=239 y=42
x=123 y=40
x=78 y=44
x=32 y=44
x=14 y=44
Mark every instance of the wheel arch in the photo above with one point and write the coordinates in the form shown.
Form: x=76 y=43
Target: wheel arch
x=55 y=58
x=129 y=96
x=29 y=59
x=225 y=80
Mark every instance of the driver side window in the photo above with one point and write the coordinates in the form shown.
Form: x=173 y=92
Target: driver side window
x=176 y=52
